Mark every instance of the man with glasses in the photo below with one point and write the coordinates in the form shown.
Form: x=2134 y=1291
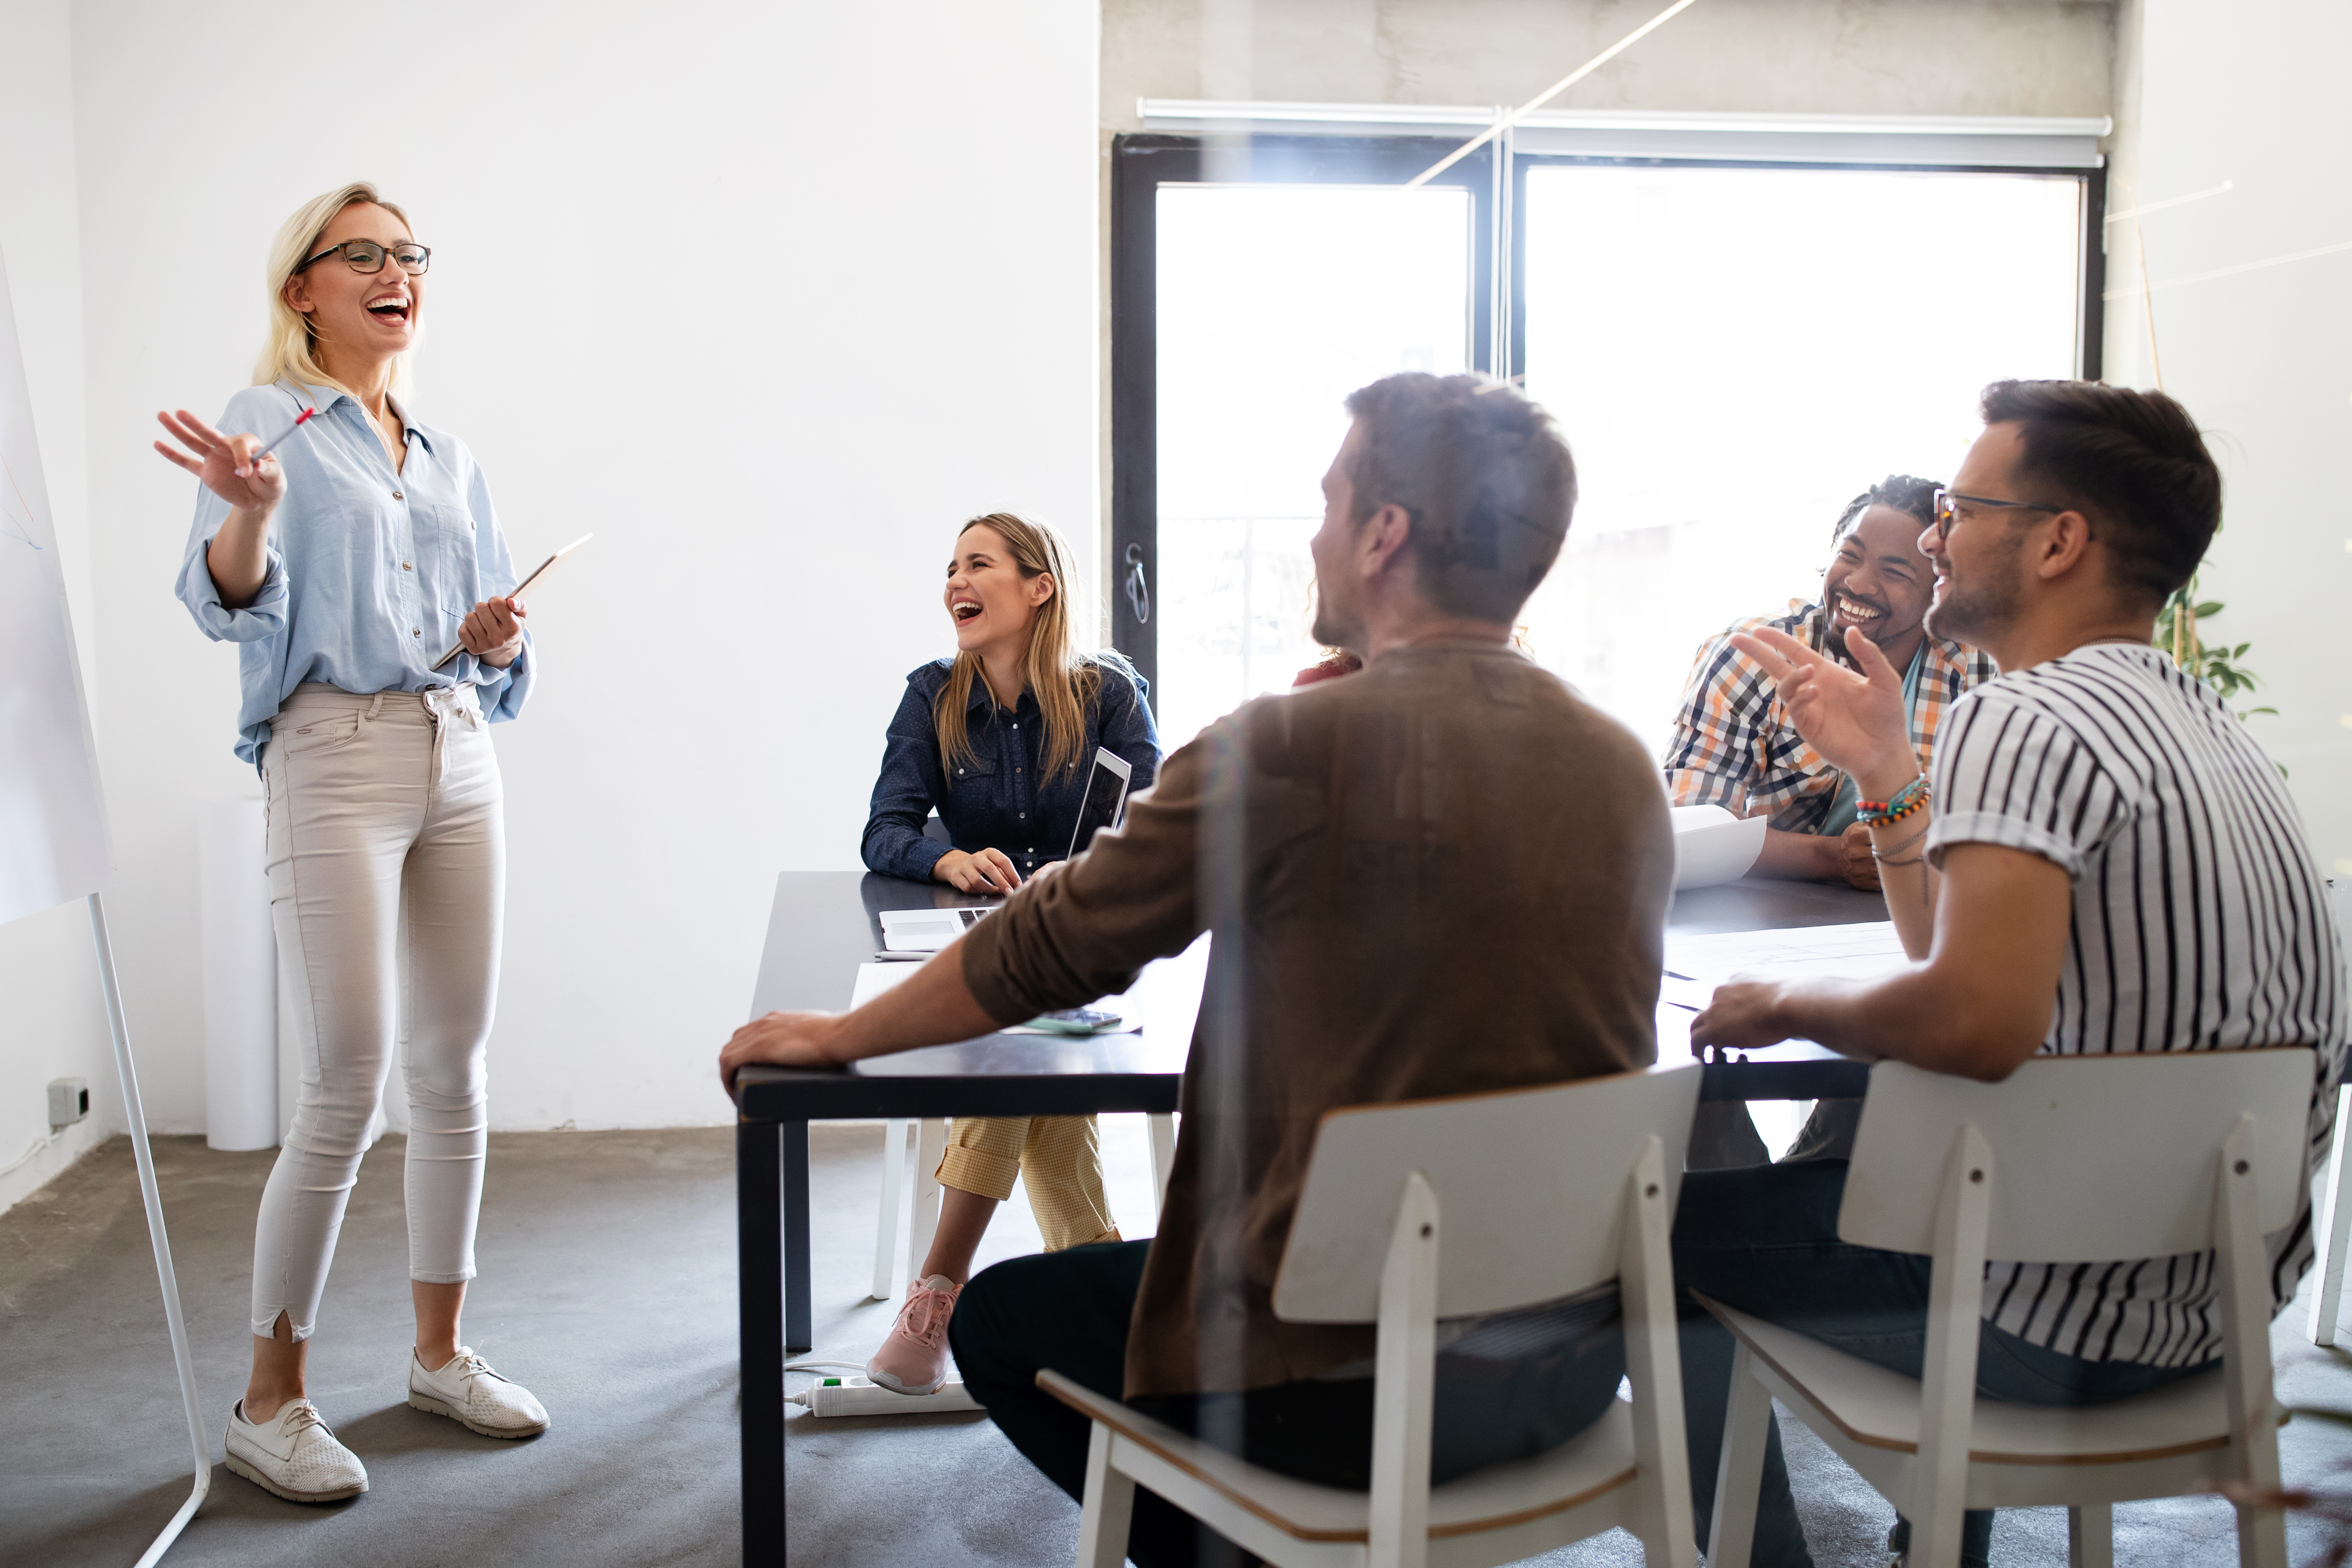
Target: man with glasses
x=1735 y=746
x=2105 y=861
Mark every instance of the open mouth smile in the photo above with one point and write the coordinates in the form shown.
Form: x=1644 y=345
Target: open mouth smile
x=964 y=610
x=392 y=307
x=1854 y=611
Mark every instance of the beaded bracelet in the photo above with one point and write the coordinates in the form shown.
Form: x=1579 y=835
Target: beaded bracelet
x=1911 y=797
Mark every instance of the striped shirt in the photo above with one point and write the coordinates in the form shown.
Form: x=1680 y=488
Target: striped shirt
x=2200 y=923
x=1735 y=747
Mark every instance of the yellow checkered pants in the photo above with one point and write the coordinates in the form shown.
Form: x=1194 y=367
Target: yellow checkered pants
x=1059 y=1158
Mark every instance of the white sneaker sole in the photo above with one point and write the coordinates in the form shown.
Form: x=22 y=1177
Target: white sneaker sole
x=884 y=1380
x=433 y=1406
x=237 y=1467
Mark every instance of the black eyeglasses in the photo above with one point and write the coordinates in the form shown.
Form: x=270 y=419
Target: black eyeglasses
x=1946 y=513
x=367 y=256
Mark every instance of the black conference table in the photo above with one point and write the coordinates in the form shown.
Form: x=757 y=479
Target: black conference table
x=824 y=924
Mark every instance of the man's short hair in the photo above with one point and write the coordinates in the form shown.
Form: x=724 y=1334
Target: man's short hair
x=1484 y=474
x=2134 y=462
x=1911 y=496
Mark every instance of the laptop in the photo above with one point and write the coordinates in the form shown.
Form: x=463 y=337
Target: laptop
x=1102 y=806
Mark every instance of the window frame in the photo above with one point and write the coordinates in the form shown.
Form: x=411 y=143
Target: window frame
x=1142 y=162
x=2091 y=260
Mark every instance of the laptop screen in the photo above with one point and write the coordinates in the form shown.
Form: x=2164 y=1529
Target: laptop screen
x=1106 y=795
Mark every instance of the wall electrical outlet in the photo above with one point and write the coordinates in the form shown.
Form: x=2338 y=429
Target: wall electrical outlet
x=68 y=1101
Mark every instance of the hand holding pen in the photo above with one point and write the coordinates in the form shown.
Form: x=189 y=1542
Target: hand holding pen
x=238 y=469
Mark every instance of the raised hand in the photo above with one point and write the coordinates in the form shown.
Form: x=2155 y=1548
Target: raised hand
x=225 y=463
x=1855 y=719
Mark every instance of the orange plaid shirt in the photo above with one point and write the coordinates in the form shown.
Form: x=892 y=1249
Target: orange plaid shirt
x=1735 y=747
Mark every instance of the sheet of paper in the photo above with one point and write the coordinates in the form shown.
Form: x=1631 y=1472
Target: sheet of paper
x=874 y=979
x=1711 y=846
x=1695 y=965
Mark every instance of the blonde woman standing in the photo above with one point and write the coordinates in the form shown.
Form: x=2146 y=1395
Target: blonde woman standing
x=997 y=739
x=342 y=566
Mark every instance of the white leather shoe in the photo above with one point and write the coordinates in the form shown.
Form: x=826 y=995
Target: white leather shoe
x=293 y=1454
x=467 y=1391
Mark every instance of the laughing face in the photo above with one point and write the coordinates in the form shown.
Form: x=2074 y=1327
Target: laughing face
x=1879 y=581
x=989 y=599
x=368 y=315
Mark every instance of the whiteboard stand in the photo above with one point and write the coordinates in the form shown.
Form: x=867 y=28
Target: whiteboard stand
x=153 y=1199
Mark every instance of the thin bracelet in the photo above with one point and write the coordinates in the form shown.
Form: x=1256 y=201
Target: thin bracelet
x=1881 y=855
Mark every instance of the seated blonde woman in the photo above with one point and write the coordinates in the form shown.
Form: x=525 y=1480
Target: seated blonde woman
x=997 y=739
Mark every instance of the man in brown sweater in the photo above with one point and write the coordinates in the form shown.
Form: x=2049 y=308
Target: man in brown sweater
x=1446 y=874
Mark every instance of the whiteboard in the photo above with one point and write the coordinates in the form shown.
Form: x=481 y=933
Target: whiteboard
x=53 y=842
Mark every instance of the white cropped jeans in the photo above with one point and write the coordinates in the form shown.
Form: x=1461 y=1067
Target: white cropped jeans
x=378 y=807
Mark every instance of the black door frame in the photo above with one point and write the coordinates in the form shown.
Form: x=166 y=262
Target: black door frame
x=1140 y=164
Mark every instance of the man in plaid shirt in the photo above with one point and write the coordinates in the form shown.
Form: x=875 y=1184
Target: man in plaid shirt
x=1733 y=744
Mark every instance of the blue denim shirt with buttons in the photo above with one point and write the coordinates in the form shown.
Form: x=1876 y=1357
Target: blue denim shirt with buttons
x=994 y=801
x=369 y=570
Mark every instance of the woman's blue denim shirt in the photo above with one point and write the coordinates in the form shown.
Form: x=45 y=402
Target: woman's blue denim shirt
x=994 y=801
x=370 y=572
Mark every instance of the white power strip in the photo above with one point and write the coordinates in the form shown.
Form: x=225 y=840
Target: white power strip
x=860 y=1397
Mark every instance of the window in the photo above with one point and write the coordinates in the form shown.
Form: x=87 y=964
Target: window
x=1275 y=301
x=1734 y=350
x=1735 y=353
x=1253 y=291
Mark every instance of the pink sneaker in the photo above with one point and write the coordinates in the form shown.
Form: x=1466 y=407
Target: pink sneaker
x=914 y=1359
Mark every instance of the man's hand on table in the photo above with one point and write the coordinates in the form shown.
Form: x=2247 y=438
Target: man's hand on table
x=780 y=1039
x=1856 y=862
x=933 y=1006
x=1743 y=1016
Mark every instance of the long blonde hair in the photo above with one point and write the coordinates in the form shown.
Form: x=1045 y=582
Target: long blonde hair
x=1066 y=681
x=288 y=354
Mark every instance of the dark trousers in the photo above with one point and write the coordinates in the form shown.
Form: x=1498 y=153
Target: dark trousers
x=1069 y=1310
x=1765 y=1240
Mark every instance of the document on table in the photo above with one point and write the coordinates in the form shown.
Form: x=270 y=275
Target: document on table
x=1695 y=965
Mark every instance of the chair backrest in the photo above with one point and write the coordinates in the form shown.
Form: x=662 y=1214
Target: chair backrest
x=936 y=830
x=2096 y=1158
x=1530 y=1185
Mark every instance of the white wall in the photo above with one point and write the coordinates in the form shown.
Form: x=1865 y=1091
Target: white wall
x=2263 y=358
x=770 y=297
x=52 y=1024
x=1853 y=57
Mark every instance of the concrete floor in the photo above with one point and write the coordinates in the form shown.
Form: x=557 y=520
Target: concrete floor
x=608 y=1287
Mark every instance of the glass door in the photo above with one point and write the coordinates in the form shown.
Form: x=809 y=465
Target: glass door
x=1257 y=288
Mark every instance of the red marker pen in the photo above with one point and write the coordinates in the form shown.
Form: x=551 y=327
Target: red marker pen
x=301 y=420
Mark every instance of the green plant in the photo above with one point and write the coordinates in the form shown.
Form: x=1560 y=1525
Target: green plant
x=2217 y=666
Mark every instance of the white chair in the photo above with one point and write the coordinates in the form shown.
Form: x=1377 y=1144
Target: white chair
x=2332 y=1221
x=1452 y=1207
x=903 y=1237
x=2072 y=1159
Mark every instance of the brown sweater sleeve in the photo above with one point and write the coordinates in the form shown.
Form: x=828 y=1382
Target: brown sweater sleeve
x=1082 y=931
